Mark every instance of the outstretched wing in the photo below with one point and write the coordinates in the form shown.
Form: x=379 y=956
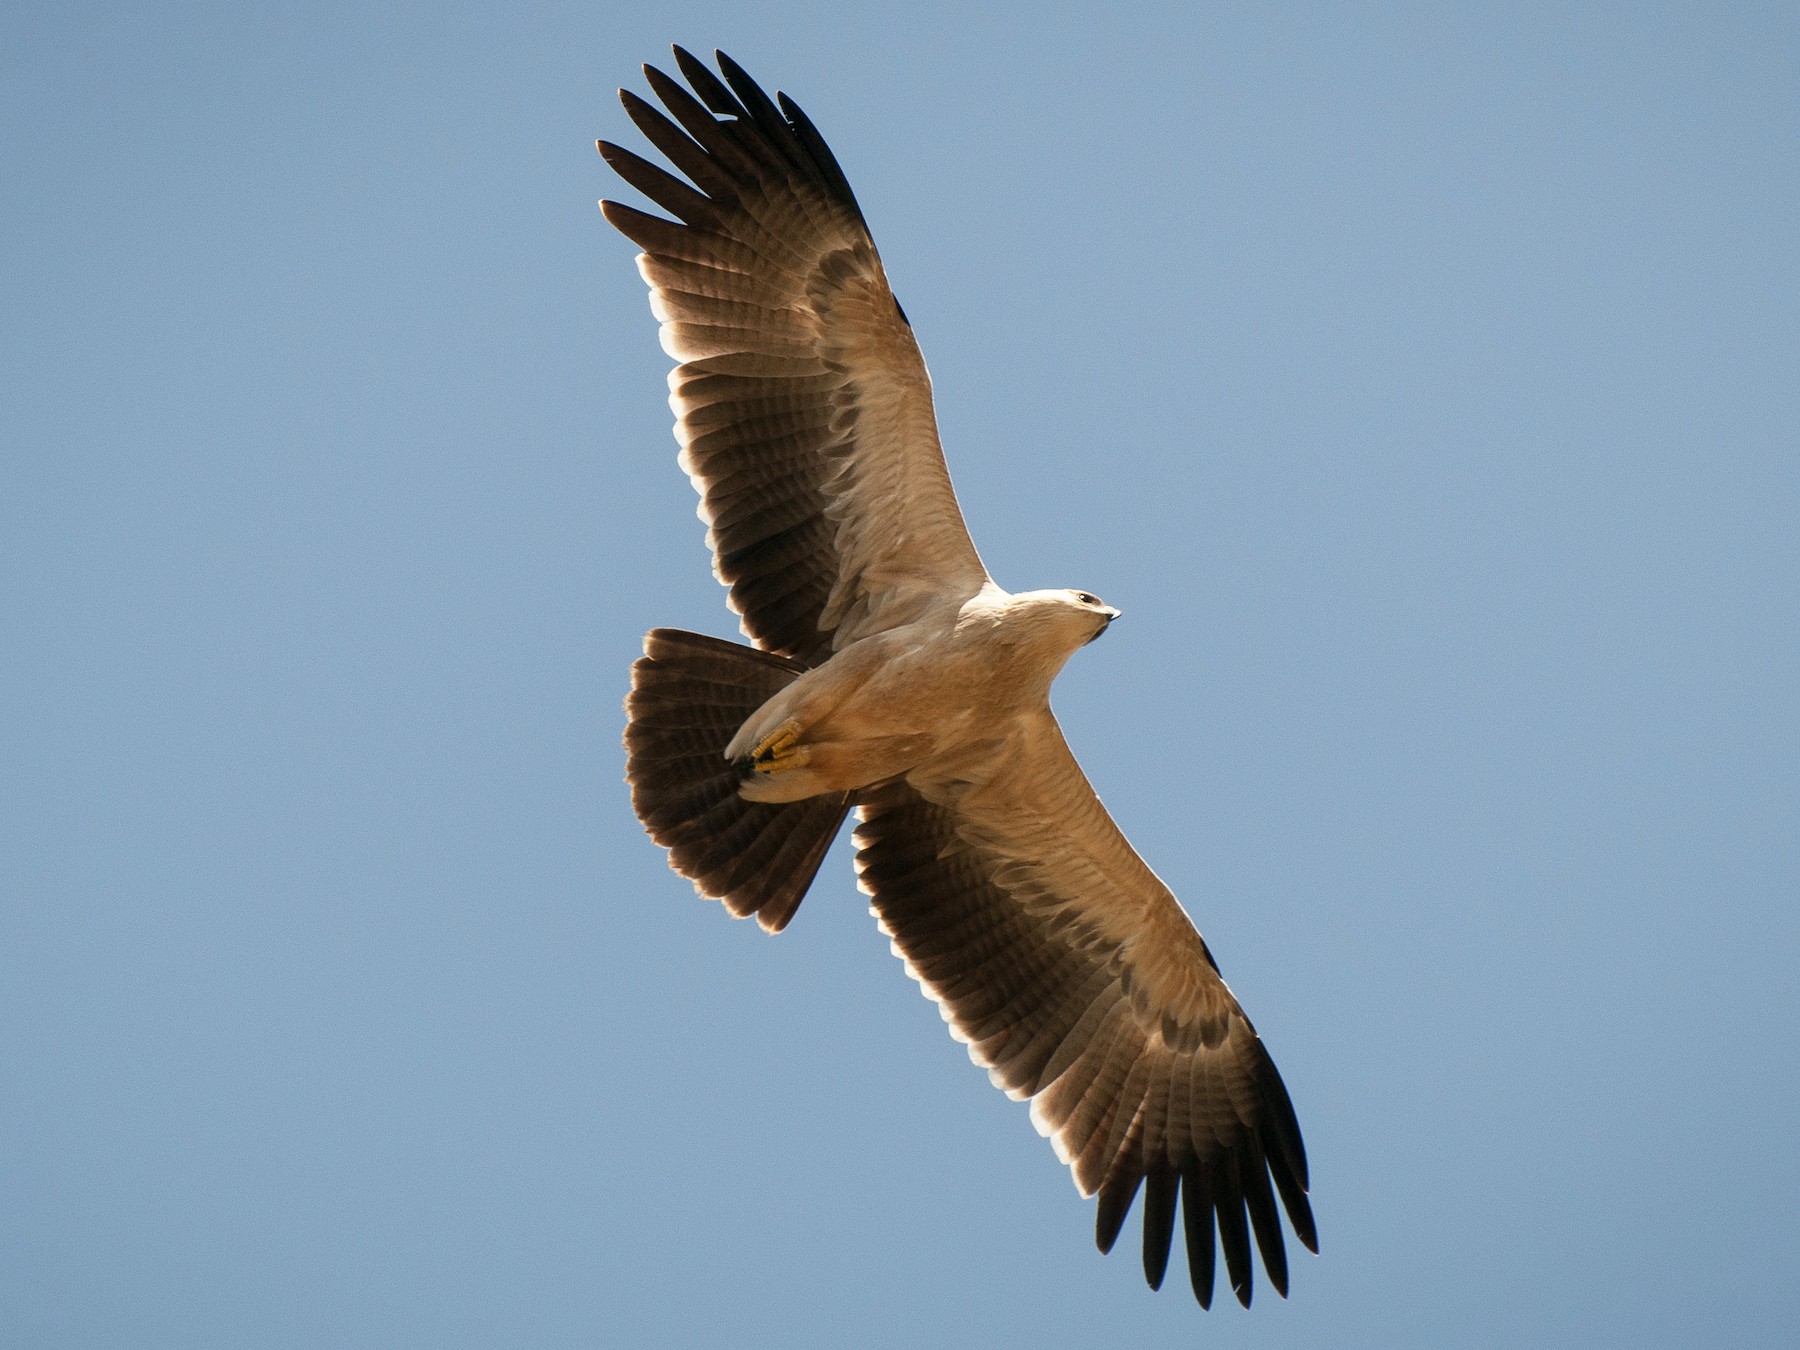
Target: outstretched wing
x=1078 y=981
x=802 y=404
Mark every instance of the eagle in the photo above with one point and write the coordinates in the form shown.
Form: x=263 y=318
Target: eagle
x=890 y=676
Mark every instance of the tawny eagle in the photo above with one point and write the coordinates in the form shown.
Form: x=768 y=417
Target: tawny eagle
x=892 y=677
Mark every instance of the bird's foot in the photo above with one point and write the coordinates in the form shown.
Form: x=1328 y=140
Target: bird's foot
x=779 y=750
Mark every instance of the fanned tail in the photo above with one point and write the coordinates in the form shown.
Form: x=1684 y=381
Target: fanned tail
x=689 y=695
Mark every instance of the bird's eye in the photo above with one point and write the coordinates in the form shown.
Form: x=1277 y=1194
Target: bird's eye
x=1087 y=599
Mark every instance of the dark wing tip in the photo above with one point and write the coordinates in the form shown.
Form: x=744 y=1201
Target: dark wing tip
x=1160 y=1187
x=1234 y=1234
x=749 y=92
x=1265 y=1223
x=735 y=127
x=830 y=171
x=1299 y=1209
x=1197 y=1228
x=1114 y=1205
x=1234 y=1189
x=708 y=86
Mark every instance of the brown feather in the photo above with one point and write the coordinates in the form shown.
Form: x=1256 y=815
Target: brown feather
x=689 y=696
x=772 y=296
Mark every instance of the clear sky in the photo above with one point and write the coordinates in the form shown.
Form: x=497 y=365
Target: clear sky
x=1423 y=382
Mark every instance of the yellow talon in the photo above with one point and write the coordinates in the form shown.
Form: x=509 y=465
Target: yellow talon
x=777 y=751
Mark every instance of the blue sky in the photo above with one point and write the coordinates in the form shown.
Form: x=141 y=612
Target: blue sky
x=1420 y=380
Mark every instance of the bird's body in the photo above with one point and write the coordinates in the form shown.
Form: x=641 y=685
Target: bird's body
x=891 y=676
x=934 y=698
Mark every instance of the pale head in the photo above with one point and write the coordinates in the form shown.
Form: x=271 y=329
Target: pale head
x=1060 y=620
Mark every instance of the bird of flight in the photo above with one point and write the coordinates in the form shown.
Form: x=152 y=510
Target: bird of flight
x=892 y=677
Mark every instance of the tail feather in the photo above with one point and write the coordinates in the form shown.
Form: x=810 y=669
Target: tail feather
x=689 y=695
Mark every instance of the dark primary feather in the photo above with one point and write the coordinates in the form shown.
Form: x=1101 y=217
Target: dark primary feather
x=1197 y=1225
x=716 y=96
x=822 y=157
x=683 y=153
x=661 y=186
x=1160 y=1181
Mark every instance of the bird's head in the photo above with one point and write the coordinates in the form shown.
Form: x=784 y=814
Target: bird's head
x=1058 y=622
x=1096 y=613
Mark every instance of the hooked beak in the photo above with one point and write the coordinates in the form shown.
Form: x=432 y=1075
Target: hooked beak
x=1110 y=614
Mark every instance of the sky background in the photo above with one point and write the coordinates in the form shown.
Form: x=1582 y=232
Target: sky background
x=1423 y=382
